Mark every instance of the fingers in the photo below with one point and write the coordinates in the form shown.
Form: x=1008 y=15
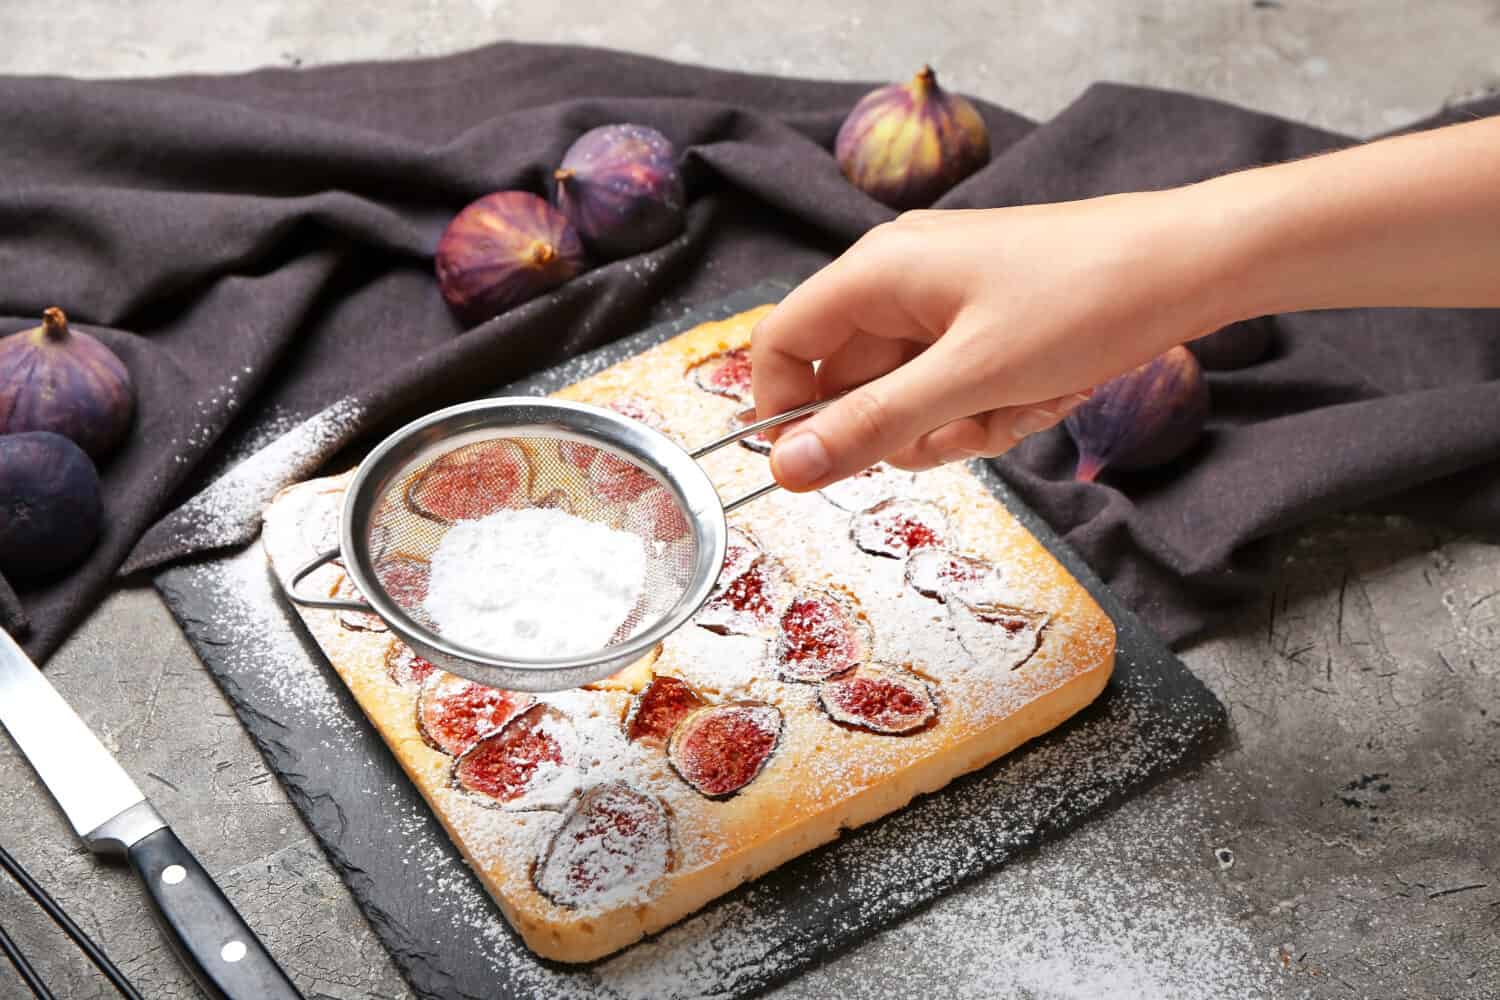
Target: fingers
x=957 y=441
x=850 y=299
x=923 y=360
x=984 y=435
x=863 y=359
x=872 y=421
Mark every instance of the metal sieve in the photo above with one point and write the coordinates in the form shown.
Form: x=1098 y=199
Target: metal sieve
x=470 y=460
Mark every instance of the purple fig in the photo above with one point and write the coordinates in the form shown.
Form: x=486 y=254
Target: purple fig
x=1233 y=346
x=907 y=143
x=1146 y=417
x=49 y=505
x=55 y=379
x=619 y=186
x=503 y=249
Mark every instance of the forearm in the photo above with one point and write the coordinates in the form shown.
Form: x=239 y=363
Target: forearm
x=1410 y=221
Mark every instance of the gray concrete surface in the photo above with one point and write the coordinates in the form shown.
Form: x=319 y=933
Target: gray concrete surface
x=1354 y=65
x=1359 y=793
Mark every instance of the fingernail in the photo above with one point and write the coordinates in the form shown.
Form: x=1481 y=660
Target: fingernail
x=800 y=459
x=1032 y=421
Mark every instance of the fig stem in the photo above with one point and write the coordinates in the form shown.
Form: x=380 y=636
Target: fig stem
x=562 y=175
x=925 y=79
x=540 y=253
x=54 y=323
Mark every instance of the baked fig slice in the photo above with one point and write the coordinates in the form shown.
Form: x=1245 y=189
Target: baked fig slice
x=881 y=700
x=637 y=409
x=404 y=667
x=725 y=374
x=720 y=749
x=656 y=516
x=997 y=637
x=611 y=844
x=820 y=636
x=751 y=603
x=529 y=763
x=658 y=710
x=864 y=490
x=758 y=443
x=471 y=482
x=614 y=479
x=556 y=500
x=404 y=579
x=453 y=712
x=580 y=454
x=897 y=528
x=740 y=551
x=940 y=574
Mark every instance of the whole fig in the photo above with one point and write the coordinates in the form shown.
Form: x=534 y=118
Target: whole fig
x=49 y=505
x=503 y=249
x=54 y=379
x=1146 y=417
x=1233 y=346
x=619 y=186
x=906 y=144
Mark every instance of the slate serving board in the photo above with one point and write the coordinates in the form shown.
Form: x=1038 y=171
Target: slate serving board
x=451 y=942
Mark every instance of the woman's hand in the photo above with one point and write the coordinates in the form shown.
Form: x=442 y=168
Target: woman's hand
x=964 y=331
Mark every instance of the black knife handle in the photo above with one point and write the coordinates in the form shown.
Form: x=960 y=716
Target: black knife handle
x=208 y=934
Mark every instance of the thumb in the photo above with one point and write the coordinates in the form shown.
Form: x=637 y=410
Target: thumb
x=870 y=422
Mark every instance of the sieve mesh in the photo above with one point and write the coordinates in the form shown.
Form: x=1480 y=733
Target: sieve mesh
x=498 y=470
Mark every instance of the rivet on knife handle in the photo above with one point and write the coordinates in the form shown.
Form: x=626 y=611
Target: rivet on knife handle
x=212 y=939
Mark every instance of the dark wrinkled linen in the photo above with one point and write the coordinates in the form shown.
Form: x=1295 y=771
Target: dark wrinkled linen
x=258 y=248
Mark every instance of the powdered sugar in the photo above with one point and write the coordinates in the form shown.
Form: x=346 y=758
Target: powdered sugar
x=454 y=713
x=229 y=511
x=752 y=591
x=940 y=574
x=612 y=842
x=863 y=490
x=998 y=640
x=896 y=528
x=534 y=583
x=255 y=642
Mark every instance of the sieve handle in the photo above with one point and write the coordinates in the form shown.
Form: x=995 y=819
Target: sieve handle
x=750 y=430
x=330 y=603
x=756 y=494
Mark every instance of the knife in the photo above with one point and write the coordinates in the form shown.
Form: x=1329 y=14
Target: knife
x=114 y=819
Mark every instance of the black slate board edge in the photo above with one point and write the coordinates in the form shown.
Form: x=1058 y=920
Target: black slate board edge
x=1151 y=697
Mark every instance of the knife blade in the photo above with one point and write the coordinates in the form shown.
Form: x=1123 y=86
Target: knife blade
x=108 y=811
